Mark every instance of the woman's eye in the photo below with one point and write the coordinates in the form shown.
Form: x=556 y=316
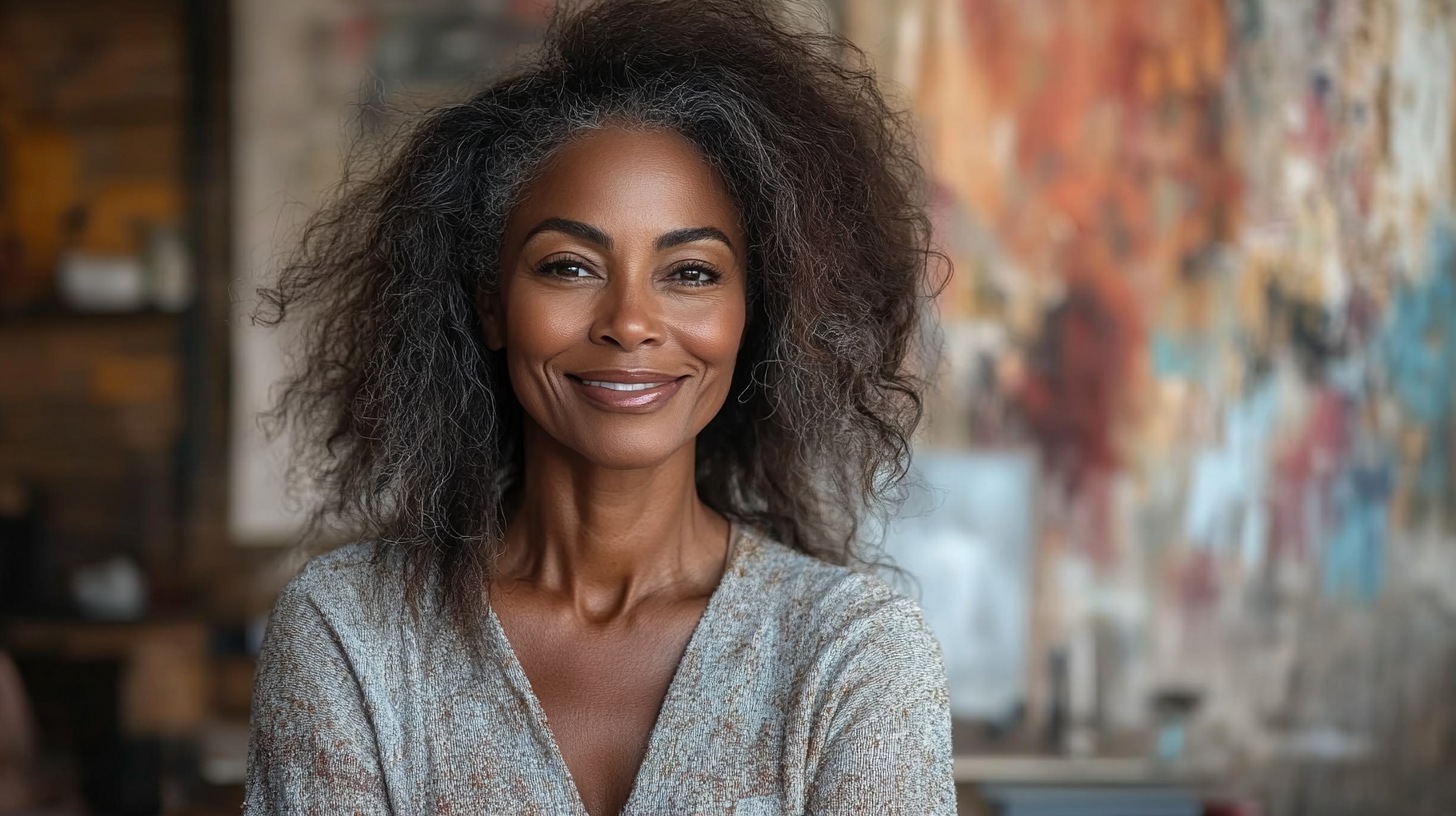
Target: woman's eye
x=565 y=269
x=694 y=275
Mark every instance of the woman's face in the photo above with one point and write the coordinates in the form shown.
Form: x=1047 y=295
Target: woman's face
x=622 y=298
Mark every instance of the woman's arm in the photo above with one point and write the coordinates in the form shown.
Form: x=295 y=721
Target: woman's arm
x=887 y=728
x=313 y=748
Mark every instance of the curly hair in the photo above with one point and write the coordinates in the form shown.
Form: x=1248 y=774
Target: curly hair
x=408 y=425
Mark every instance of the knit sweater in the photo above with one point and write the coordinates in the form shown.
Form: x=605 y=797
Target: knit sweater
x=805 y=689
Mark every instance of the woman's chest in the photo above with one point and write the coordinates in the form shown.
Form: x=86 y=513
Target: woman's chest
x=601 y=692
x=722 y=725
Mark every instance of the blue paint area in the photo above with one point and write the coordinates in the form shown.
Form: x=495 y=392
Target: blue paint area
x=1226 y=507
x=1418 y=348
x=1171 y=740
x=1354 y=558
x=1176 y=358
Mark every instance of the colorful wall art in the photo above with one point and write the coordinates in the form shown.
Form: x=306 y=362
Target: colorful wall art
x=1205 y=270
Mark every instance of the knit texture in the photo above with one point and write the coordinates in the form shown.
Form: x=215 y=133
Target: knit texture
x=805 y=689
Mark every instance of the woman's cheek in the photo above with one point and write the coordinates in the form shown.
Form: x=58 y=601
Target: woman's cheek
x=540 y=327
x=544 y=324
x=713 y=335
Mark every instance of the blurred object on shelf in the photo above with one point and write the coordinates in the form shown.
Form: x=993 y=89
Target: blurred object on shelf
x=170 y=285
x=114 y=589
x=1082 y=692
x=101 y=283
x=223 y=753
x=158 y=275
x=1172 y=709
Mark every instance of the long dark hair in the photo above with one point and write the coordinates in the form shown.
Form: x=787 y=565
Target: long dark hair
x=407 y=423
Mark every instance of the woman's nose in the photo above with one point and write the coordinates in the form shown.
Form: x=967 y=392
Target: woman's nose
x=627 y=314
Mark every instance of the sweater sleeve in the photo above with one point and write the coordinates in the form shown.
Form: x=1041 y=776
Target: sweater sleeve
x=313 y=749
x=887 y=734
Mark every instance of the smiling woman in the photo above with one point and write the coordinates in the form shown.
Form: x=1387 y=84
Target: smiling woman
x=606 y=367
x=630 y=242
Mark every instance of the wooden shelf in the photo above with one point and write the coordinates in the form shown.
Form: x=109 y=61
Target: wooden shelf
x=68 y=318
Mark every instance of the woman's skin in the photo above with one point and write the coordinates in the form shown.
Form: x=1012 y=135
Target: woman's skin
x=625 y=262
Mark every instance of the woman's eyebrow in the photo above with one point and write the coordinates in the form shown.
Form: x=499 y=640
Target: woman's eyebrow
x=691 y=234
x=594 y=235
x=576 y=229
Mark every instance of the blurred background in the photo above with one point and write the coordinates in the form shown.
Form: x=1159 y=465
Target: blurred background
x=1185 y=521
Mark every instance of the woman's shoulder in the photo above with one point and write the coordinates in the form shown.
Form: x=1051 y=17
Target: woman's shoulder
x=350 y=569
x=827 y=604
x=354 y=585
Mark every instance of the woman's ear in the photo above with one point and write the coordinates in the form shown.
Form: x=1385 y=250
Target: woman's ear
x=492 y=319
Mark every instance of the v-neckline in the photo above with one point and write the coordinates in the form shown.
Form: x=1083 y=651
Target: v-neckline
x=516 y=673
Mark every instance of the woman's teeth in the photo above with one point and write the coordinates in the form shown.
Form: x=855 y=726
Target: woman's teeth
x=623 y=386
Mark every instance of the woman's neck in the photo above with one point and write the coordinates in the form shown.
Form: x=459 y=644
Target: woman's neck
x=607 y=539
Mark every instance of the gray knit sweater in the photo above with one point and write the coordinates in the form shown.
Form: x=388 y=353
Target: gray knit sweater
x=805 y=689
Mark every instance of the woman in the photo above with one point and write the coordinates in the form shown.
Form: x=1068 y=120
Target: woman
x=609 y=363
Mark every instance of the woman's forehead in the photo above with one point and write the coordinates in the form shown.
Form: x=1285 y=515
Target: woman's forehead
x=632 y=180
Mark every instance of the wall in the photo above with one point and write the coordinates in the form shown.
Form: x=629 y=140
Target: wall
x=1206 y=269
x=316 y=84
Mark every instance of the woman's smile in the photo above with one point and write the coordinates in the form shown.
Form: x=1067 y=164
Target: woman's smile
x=630 y=391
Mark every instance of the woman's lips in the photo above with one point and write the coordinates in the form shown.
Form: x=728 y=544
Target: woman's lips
x=633 y=393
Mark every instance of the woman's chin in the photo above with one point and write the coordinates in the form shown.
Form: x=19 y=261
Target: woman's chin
x=641 y=449
x=609 y=456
